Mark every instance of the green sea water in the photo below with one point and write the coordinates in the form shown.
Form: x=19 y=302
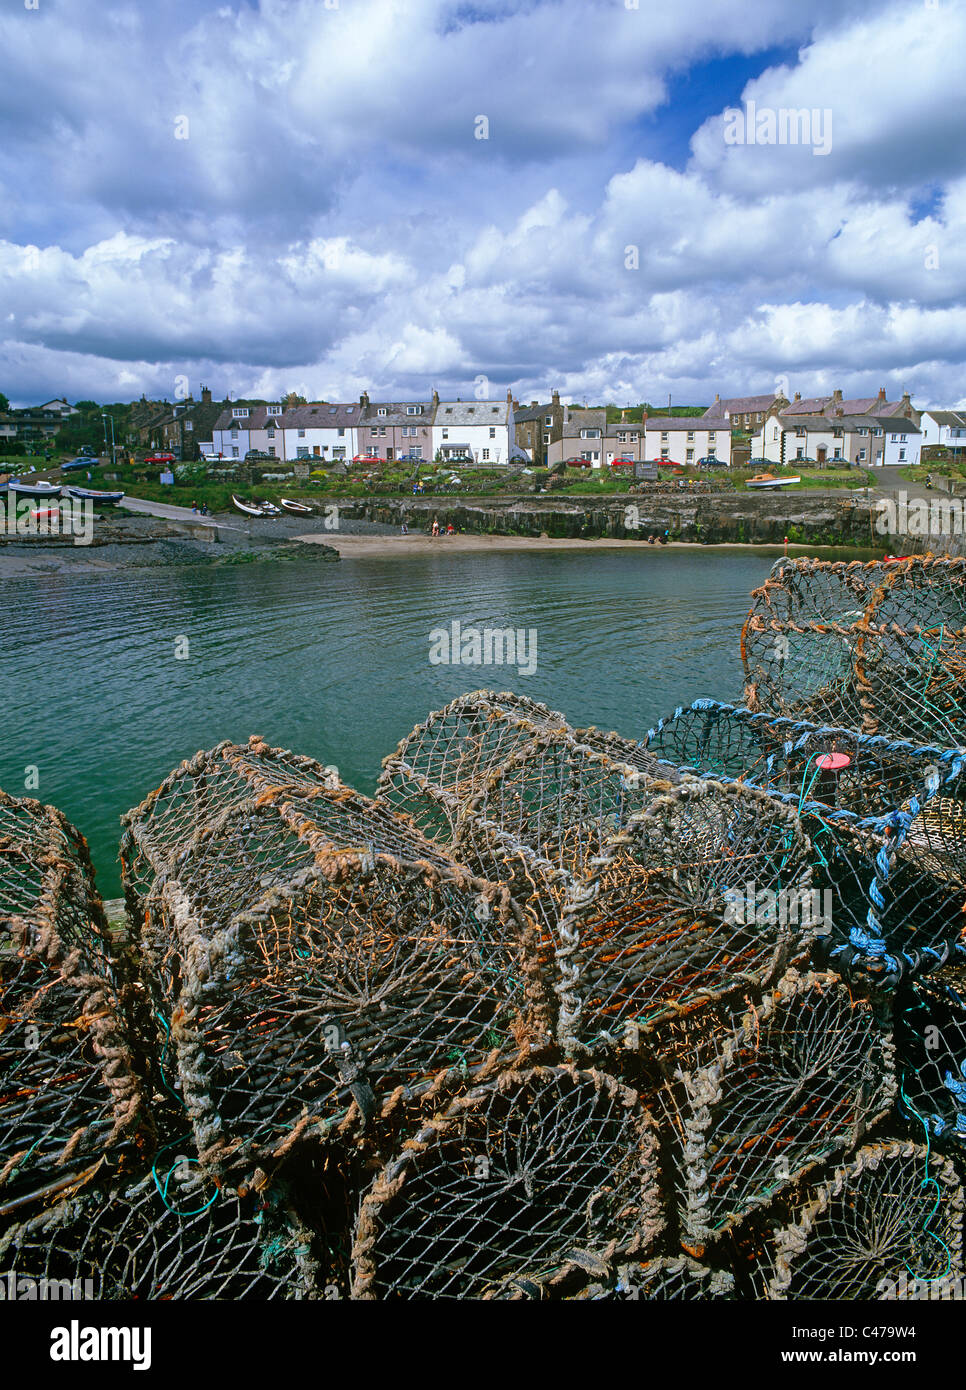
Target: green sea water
x=108 y=681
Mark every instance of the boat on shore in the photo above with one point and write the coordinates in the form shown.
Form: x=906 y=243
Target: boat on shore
x=17 y=488
x=256 y=508
x=87 y=494
x=299 y=508
x=770 y=480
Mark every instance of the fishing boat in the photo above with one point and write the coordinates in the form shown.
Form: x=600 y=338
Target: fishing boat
x=769 y=480
x=39 y=489
x=299 y=508
x=256 y=508
x=88 y=494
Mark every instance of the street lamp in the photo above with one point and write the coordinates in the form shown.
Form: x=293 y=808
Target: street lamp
x=105 y=417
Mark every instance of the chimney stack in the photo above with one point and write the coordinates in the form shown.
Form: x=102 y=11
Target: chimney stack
x=435 y=398
x=798 y=395
x=555 y=398
x=205 y=396
x=881 y=399
x=364 y=400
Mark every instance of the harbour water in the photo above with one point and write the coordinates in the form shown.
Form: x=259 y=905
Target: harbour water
x=108 y=681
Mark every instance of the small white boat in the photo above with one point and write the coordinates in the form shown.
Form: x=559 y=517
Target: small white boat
x=299 y=508
x=19 y=488
x=769 y=480
x=256 y=508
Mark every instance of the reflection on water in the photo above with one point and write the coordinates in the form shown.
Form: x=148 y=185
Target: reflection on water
x=108 y=682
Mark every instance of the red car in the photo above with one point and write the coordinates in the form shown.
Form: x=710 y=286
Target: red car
x=159 y=458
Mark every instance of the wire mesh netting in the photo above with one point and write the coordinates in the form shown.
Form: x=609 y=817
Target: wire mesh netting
x=877 y=646
x=887 y=821
x=196 y=795
x=805 y=1074
x=663 y=923
x=930 y=1015
x=888 y=1225
x=455 y=751
x=664 y=1280
x=314 y=950
x=511 y=1189
x=70 y=1082
x=130 y=1241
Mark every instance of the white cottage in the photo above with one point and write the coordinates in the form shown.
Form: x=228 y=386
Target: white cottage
x=481 y=430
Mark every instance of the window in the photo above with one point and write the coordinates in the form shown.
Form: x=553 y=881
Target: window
x=590 y=434
x=417 y=451
x=239 y=414
x=774 y=433
x=413 y=409
x=338 y=453
x=902 y=455
x=446 y=433
x=486 y=453
x=382 y=410
x=712 y=436
x=270 y=433
x=271 y=450
x=838 y=452
x=234 y=453
x=234 y=434
x=492 y=432
x=664 y=453
x=712 y=453
x=690 y=436
x=877 y=434
x=189 y=424
x=301 y=434
x=863 y=430
x=546 y=439
x=372 y=452
x=277 y=409
x=548 y=420
x=894 y=438
x=342 y=434
x=689 y=455
x=799 y=453
x=301 y=451
x=799 y=431
x=837 y=432
x=663 y=436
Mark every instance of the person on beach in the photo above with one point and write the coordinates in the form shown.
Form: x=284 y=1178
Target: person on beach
x=450 y=529
x=435 y=527
x=194 y=508
x=404 y=529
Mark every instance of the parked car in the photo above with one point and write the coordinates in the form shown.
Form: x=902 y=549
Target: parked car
x=709 y=463
x=577 y=463
x=260 y=454
x=159 y=458
x=73 y=464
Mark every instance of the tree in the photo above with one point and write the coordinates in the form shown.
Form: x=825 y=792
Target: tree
x=4 y=403
x=293 y=398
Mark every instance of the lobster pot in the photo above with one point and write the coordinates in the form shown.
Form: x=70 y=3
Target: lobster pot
x=664 y=1280
x=930 y=1024
x=124 y=1242
x=456 y=750
x=887 y=821
x=512 y=1189
x=886 y=1226
x=879 y=647
x=196 y=795
x=665 y=922
x=803 y=1076
x=313 y=951
x=70 y=1084
x=562 y=799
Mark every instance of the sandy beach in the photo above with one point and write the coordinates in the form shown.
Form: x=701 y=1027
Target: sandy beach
x=356 y=547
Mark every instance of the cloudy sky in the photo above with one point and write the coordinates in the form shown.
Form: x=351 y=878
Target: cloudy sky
x=391 y=195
